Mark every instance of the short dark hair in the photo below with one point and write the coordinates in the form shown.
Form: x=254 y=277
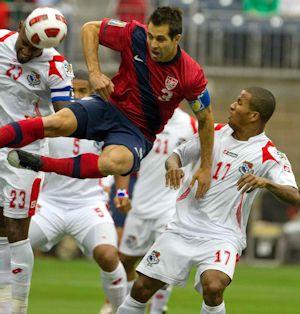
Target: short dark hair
x=169 y=16
x=262 y=101
x=81 y=75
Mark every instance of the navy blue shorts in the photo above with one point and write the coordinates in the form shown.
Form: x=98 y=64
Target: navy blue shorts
x=101 y=121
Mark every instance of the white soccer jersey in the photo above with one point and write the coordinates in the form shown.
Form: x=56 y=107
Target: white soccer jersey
x=62 y=189
x=26 y=89
x=223 y=212
x=150 y=197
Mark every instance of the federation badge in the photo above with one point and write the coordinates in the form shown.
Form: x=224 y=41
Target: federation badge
x=171 y=82
x=131 y=241
x=34 y=78
x=68 y=69
x=246 y=167
x=153 y=258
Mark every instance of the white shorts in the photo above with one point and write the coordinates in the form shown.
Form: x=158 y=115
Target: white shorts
x=19 y=190
x=90 y=224
x=139 y=234
x=172 y=256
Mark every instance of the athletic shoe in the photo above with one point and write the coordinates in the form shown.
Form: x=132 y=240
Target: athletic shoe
x=24 y=160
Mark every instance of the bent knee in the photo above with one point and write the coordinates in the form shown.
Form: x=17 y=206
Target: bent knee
x=106 y=257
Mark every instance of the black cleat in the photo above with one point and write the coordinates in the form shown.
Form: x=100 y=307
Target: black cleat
x=24 y=160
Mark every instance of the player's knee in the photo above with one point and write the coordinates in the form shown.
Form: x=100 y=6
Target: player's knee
x=115 y=163
x=213 y=292
x=144 y=288
x=63 y=123
x=106 y=257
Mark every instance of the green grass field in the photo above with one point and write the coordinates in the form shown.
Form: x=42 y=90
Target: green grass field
x=63 y=287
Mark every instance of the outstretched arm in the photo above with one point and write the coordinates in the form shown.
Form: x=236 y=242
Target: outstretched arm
x=101 y=84
x=249 y=182
x=206 y=136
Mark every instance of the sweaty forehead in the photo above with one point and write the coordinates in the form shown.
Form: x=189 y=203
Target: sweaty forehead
x=158 y=31
x=245 y=96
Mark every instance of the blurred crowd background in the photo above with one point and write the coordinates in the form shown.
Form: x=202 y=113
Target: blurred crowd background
x=239 y=43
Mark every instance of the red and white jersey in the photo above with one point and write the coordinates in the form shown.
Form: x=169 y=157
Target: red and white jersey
x=72 y=190
x=27 y=89
x=151 y=198
x=223 y=212
x=148 y=92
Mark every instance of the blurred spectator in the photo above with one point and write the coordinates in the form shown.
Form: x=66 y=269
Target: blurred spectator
x=4 y=15
x=128 y=10
x=262 y=7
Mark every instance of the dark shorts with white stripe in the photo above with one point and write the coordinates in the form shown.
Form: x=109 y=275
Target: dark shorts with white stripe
x=100 y=120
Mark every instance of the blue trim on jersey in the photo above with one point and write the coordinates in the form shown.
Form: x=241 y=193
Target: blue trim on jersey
x=64 y=89
x=61 y=98
x=19 y=135
x=76 y=167
x=148 y=102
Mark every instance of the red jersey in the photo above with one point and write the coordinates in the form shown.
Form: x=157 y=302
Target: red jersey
x=148 y=92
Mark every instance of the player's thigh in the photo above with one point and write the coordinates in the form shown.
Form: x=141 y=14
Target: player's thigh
x=47 y=225
x=91 y=225
x=217 y=255
x=138 y=235
x=170 y=259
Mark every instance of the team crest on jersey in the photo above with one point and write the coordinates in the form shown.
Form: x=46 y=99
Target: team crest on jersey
x=171 y=82
x=131 y=241
x=116 y=23
x=180 y=141
x=246 y=167
x=34 y=78
x=68 y=69
x=153 y=258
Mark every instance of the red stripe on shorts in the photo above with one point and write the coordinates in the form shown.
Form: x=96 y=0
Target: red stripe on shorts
x=35 y=191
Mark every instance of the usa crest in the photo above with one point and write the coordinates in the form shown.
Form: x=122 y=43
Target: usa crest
x=34 y=78
x=171 y=82
x=246 y=167
x=153 y=258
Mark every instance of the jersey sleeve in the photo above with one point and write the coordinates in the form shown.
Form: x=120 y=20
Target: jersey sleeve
x=60 y=79
x=189 y=152
x=197 y=83
x=115 y=34
x=281 y=172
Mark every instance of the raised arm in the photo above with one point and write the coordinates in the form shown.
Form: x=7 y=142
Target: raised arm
x=101 y=84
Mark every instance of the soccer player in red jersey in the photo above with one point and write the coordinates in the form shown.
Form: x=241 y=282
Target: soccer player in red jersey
x=155 y=75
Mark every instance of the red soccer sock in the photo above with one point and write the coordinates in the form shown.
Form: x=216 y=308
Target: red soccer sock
x=82 y=166
x=21 y=133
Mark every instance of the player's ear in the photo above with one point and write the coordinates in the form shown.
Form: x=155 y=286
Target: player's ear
x=255 y=115
x=177 y=38
x=21 y=23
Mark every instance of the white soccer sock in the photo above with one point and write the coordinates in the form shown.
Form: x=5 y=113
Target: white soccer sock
x=160 y=300
x=130 y=305
x=5 y=278
x=219 y=309
x=114 y=285
x=21 y=267
x=129 y=286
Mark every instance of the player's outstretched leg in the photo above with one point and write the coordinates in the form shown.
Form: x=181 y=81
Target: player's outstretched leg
x=82 y=166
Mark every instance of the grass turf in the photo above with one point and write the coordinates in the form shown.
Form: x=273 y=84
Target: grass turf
x=65 y=287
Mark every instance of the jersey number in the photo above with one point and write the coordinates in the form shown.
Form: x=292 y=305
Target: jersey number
x=167 y=95
x=220 y=172
x=161 y=146
x=17 y=199
x=76 y=148
x=14 y=72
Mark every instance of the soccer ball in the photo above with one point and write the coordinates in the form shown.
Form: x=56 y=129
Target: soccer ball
x=45 y=27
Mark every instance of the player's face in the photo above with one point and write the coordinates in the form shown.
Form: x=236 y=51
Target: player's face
x=161 y=47
x=240 y=112
x=81 y=88
x=25 y=51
